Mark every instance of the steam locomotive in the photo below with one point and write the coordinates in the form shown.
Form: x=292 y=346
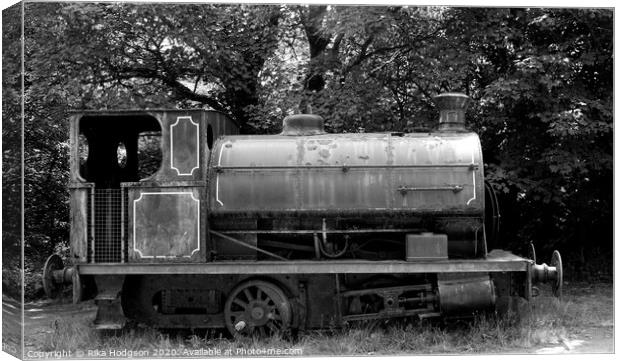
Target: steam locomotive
x=178 y=221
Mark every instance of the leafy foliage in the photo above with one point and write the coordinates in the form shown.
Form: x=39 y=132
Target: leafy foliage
x=11 y=151
x=545 y=100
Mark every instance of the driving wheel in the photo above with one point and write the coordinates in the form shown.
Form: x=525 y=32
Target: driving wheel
x=257 y=307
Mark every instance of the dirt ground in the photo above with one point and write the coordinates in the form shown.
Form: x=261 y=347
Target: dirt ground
x=40 y=318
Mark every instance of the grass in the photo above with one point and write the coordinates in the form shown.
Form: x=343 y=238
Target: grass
x=544 y=321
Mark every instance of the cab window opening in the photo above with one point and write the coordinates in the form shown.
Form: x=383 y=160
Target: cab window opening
x=115 y=149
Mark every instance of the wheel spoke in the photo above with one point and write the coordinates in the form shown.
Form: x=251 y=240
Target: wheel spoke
x=237 y=301
x=236 y=314
x=248 y=294
x=259 y=293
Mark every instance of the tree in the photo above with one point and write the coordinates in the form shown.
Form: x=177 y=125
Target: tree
x=360 y=64
x=205 y=54
x=545 y=117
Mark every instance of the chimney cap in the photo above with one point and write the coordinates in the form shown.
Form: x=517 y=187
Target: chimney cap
x=452 y=101
x=452 y=107
x=303 y=124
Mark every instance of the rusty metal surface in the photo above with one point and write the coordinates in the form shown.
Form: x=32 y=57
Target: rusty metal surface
x=464 y=294
x=452 y=107
x=247 y=245
x=399 y=289
x=222 y=248
x=108 y=300
x=303 y=124
x=184 y=146
x=507 y=264
x=341 y=173
x=79 y=221
x=426 y=246
x=165 y=224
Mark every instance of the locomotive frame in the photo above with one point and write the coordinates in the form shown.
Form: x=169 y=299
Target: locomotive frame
x=158 y=248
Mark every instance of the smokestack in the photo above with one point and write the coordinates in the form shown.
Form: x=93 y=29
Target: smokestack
x=452 y=107
x=303 y=124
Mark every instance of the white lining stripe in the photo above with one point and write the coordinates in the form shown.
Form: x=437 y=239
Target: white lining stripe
x=217 y=177
x=473 y=175
x=197 y=145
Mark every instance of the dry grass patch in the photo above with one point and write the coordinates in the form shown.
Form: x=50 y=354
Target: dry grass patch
x=544 y=321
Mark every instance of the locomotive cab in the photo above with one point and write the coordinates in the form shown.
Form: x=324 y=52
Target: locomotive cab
x=137 y=183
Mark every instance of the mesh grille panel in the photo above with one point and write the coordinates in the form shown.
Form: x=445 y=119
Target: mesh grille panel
x=89 y=225
x=107 y=242
x=125 y=223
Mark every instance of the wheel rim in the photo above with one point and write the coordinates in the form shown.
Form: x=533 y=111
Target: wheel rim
x=53 y=263
x=257 y=308
x=556 y=261
x=532 y=252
